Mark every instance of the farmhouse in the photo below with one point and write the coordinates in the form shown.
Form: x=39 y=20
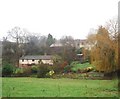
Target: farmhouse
x=83 y=44
x=78 y=43
x=35 y=59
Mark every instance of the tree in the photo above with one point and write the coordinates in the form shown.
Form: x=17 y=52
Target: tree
x=68 y=53
x=17 y=36
x=103 y=53
x=112 y=27
x=8 y=52
x=7 y=69
x=35 y=45
x=50 y=40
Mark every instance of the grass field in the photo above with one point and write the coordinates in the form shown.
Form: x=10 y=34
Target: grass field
x=36 y=87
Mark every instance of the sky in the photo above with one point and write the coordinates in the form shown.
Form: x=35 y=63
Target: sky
x=74 y=18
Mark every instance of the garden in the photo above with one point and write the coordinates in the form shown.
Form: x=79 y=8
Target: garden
x=75 y=70
x=74 y=80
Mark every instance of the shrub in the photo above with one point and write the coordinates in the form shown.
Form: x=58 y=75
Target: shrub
x=50 y=73
x=67 y=68
x=43 y=69
x=65 y=63
x=88 y=69
x=27 y=72
x=34 y=69
x=57 y=68
x=79 y=71
x=22 y=72
x=7 y=70
x=18 y=72
x=74 y=63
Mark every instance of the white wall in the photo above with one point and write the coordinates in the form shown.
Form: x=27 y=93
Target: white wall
x=35 y=62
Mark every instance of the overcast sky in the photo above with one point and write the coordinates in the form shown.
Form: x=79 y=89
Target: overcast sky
x=58 y=17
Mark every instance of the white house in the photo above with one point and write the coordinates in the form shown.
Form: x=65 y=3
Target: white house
x=35 y=59
x=83 y=43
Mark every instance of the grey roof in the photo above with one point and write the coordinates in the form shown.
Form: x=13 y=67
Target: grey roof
x=56 y=45
x=36 y=57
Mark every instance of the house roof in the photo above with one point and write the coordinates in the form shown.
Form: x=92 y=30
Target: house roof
x=36 y=57
x=56 y=45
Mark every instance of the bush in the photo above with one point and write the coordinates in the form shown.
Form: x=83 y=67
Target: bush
x=65 y=63
x=7 y=70
x=22 y=72
x=67 y=68
x=50 y=73
x=34 y=69
x=88 y=69
x=74 y=63
x=43 y=69
x=27 y=72
x=19 y=72
x=58 y=68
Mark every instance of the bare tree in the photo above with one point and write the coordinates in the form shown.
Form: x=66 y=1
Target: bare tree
x=112 y=27
x=18 y=36
x=67 y=41
x=68 y=53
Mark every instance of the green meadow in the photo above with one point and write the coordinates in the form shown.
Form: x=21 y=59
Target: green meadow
x=48 y=87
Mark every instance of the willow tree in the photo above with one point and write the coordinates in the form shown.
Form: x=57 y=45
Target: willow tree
x=103 y=54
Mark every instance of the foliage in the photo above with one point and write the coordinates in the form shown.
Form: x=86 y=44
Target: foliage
x=57 y=59
x=8 y=52
x=69 y=51
x=43 y=69
x=103 y=54
x=74 y=63
x=89 y=68
x=58 y=63
x=18 y=72
x=50 y=40
x=7 y=69
x=22 y=72
x=67 y=68
x=17 y=35
x=50 y=73
x=35 y=45
x=57 y=68
x=34 y=69
x=82 y=67
x=85 y=54
x=79 y=51
x=65 y=63
x=27 y=72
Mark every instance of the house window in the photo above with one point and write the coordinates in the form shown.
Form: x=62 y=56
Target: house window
x=33 y=60
x=22 y=60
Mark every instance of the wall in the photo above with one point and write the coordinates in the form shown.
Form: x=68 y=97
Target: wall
x=35 y=62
